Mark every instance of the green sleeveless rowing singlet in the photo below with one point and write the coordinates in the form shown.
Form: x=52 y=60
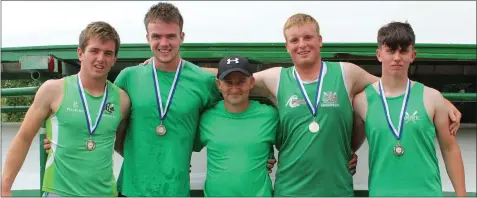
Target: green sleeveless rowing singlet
x=314 y=164
x=416 y=173
x=71 y=169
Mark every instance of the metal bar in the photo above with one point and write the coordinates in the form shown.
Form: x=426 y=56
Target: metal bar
x=8 y=109
x=43 y=156
x=461 y=96
x=23 y=91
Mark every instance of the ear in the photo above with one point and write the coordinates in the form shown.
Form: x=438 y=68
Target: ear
x=252 y=82
x=378 y=55
x=115 y=59
x=182 y=37
x=414 y=54
x=217 y=81
x=320 y=40
x=80 y=54
x=147 y=37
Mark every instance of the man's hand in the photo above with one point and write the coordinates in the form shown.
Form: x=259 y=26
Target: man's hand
x=147 y=61
x=455 y=116
x=353 y=163
x=270 y=164
x=46 y=145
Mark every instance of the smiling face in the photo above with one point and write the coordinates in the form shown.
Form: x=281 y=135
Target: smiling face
x=98 y=49
x=236 y=87
x=303 y=41
x=163 y=24
x=164 y=40
x=98 y=57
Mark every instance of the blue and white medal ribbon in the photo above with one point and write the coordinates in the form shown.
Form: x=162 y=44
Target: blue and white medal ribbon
x=90 y=144
x=314 y=126
x=398 y=149
x=161 y=129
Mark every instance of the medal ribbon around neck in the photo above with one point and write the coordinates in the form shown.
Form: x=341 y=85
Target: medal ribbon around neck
x=313 y=108
x=92 y=128
x=163 y=111
x=396 y=133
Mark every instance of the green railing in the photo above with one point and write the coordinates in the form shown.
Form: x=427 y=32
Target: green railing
x=27 y=91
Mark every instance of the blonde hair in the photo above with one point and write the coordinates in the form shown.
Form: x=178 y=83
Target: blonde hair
x=103 y=31
x=299 y=20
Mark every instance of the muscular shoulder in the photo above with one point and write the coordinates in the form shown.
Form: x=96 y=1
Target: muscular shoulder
x=51 y=88
x=432 y=97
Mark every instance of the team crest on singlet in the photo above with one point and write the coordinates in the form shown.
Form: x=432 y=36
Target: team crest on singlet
x=293 y=101
x=330 y=99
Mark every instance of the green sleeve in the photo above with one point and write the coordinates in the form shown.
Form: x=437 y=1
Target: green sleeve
x=214 y=93
x=121 y=80
x=198 y=146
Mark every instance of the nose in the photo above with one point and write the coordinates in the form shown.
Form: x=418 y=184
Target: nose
x=302 y=43
x=397 y=56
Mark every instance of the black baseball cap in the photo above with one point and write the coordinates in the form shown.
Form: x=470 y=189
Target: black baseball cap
x=234 y=63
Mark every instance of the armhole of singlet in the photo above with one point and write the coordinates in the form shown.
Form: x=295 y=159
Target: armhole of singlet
x=344 y=82
x=278 y=84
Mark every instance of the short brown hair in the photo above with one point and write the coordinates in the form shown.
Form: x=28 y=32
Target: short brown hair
x=299 y=20
x=103 y=31
x=396 y=35
x=165 y=12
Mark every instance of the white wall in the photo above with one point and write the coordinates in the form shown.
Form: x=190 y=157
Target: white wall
x=60 y=22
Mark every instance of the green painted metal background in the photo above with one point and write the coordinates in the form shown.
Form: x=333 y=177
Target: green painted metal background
x=263 y=52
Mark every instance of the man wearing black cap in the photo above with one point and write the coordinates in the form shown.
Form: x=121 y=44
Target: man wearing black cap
x=239 y=135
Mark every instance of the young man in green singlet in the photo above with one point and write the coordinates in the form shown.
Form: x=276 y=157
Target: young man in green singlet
x=401 y=120
x=82 y=113
x=239 y=135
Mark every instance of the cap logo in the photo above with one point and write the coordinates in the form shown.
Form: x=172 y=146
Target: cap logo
x=236 y=60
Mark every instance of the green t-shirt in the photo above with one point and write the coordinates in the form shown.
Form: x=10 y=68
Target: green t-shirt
x=314 y=164
x=71 y=169
x=159 y=165
x=416 y=173
x=238 y=147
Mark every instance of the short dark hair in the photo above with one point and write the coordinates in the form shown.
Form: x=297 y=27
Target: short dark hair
x=396 y=35
x=165 y=12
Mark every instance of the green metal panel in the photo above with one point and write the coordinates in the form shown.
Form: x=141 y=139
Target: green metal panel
x=263 y=52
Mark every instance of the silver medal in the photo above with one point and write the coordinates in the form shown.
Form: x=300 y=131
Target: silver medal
x=90 y=145
x=314 y=127
x=398 y=150
x=161 y=130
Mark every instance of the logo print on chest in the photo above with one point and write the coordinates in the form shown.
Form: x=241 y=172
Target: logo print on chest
x=411 y=117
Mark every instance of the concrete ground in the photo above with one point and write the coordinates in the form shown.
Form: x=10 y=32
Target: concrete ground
x=29 y=176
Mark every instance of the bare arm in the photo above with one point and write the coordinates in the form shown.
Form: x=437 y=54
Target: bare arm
x=448 y=143
x=360 y=105
x=121 y=132
x=35 y=116
x=357 y=78
x=266 y=83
